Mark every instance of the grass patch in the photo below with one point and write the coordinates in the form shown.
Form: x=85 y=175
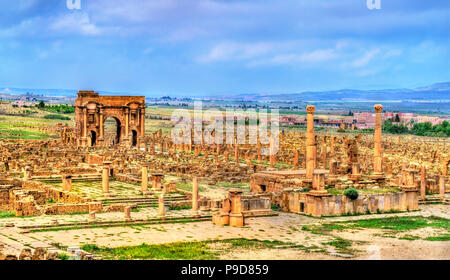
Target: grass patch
x=179 y=250
x=342 y=245
x=7 y=214
x=443 y=237
x=179 y=208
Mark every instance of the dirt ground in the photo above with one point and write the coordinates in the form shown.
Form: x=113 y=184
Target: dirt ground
x=366 y=243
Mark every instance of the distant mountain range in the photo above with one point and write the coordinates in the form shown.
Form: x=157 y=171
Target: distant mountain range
x=435 y=92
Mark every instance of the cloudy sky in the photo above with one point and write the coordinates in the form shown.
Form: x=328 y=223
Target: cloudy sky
x=219 y=47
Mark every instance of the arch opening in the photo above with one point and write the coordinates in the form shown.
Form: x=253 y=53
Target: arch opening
x=112 y=131
x=93 y=138
x=134 y=139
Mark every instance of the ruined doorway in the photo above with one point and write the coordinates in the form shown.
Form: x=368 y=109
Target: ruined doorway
x=134 y=139
x=93 y=138
x=112 y=131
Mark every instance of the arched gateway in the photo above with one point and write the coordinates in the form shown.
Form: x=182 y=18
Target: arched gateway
x=92 y=110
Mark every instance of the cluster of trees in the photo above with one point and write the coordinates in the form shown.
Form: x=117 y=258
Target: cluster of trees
x=420 y=129
x=62 y=109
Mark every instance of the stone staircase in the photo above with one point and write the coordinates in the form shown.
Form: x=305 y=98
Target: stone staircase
x=143 y=201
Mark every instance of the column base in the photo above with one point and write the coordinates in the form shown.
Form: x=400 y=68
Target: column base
x=318 y=193
x=221 y=219
x=236 y=220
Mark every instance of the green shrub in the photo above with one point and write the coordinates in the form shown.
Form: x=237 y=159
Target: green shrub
x=351 y=193
x=56 y=117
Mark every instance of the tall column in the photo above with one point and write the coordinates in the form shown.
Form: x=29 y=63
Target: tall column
x=272 y=152
x=378 y=153
x=324 y=155
x=310 y=142
x=423 y=182
x=84 y=138
x=161 y=206
x=101 y=130
x=127 y=120
x=442 y=187
x=296 y=159
x=236 y=216
x=236 y=153
x=195 y=196
x=259 y=151
x=144 y=183
x=105 y=180
x=142 y=122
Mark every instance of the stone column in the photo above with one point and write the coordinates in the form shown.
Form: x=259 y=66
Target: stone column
x=236 y=153
x=272 y=152
x=127 y=213
x=161 y=206
x=101 y=129
x=378 y=153
x=105 y=180
x=84 y=126
x=67 y=183
x=127 y=121
x=310 y=143
x=259 y=151
x=324 y=155
x=144 y=183
x=423 y=182
x=236 y=216
x=296 y=160
x=195 y=196
x=142 y=122
x=442 y=187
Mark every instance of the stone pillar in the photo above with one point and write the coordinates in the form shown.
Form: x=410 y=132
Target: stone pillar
x=127 y=213
x=92 y=217
x=296 y=160
x=259 y=151
x=195 y=196
x=84 y=126
x=324 y=155
x=101 y=129
x=144 y=183
x=142 y=122
x=127 y=123
x=236 y=153
x=272 y=153
x=236 y=216
x=423 y=182
x=378 y=153
x=310 y=143
x=161 y=206
x=333 y=140
x=67 y=183
x=442 y=187
x=105 y=180
x=356 y=174
x=27 y=172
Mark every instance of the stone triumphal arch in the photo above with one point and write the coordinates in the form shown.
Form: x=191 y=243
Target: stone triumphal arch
x=92 y=111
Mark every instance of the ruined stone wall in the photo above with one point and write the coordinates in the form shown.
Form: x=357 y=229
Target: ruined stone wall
x=303 y=203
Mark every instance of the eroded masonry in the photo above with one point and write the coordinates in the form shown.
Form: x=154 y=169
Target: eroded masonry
x=82 y=173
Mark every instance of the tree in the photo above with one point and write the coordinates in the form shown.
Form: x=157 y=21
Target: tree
x=41 y=104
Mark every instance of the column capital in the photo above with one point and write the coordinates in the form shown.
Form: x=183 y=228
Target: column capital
x=378 y=108
x=310 y=109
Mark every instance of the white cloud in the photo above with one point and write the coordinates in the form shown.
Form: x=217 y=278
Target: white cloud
x=365 y=59
x=76 y=22
x=236 y=51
